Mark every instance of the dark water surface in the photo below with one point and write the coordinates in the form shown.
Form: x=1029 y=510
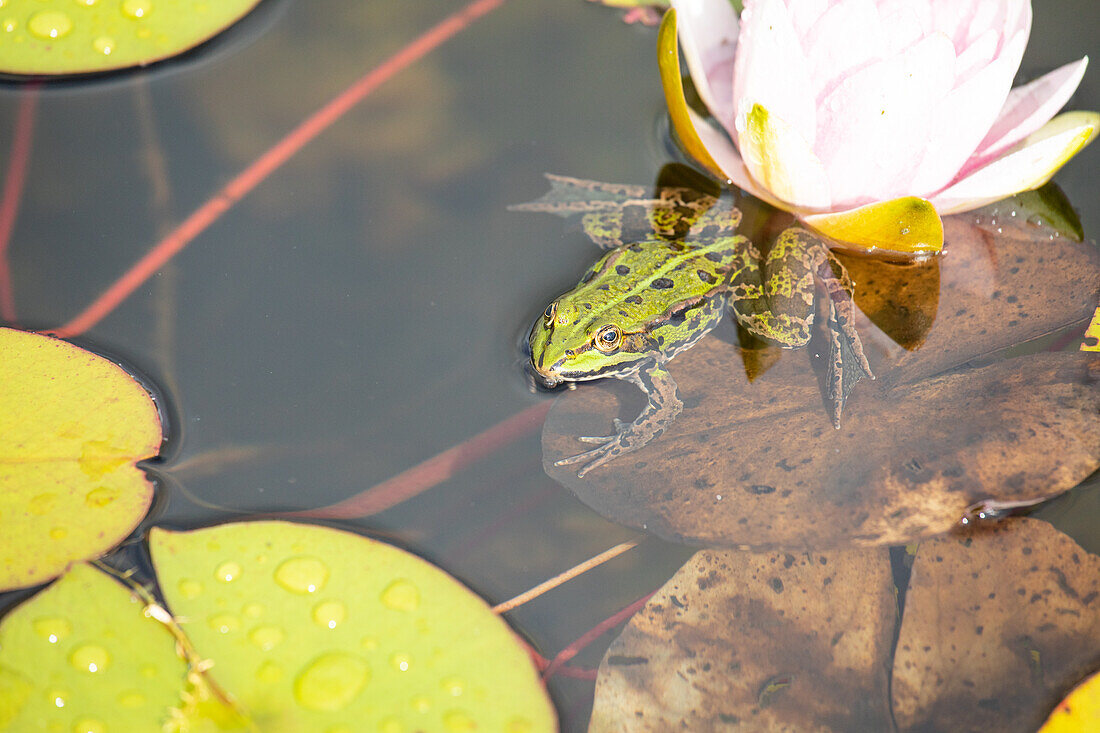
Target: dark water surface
x=359 y=311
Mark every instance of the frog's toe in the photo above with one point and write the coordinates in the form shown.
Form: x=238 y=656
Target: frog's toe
x=596 y=438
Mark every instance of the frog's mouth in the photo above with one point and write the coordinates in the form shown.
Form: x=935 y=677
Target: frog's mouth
x=545 y=378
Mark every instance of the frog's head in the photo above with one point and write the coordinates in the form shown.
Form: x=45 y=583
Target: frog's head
x=569 y=344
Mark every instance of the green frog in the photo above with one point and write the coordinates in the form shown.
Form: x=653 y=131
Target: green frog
x=645 y=301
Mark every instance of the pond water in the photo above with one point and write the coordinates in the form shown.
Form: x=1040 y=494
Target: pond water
x=359 y=311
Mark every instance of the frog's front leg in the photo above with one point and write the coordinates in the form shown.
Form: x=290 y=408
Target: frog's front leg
x=663 y=407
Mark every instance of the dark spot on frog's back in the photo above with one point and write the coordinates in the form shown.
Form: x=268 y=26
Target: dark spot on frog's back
x=622 y=269
x=635 y=299
x=661 y=283
x=714 y=256
x=706 y=276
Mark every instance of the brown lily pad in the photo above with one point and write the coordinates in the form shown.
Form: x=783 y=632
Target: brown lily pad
x=750 y=639
x=999 y=625
x=761 y=466
x=758 y=464
x=765 y=641
x=995 y=292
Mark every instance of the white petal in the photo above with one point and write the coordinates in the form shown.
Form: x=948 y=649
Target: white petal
x=977 y=55
x=771 y=68
x=1030 y=106
x=966 y=115
x=1029 y=166
x=847 y=37
x=708 y=36
x=723 y=152
x=804 y=13
x=780 y=160
x=873 y=128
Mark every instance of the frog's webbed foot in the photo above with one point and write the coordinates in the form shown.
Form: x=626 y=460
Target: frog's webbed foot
x=664 y=405
x=847 y=361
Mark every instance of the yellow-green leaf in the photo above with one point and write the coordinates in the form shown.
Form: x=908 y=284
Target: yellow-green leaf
x=668 y=62
x=1079 y=712
x=73 y=426
x=907 y=224
x=75 y=37
x=312 y=629
x=82 y=656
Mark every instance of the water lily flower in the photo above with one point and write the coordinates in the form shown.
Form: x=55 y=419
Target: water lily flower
x=871 y=118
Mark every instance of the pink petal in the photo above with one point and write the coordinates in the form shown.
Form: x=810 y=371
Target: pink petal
x=953 y=18
x=874 y=126
x=901 y=26
x=708 y=36
x=1028 y=166
x=977 y=55
x=804 y=13
x=771 y=68
x=966 y=115
x=1029 y=107
x=848 y=36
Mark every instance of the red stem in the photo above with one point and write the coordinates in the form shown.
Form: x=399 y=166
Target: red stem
x=558 y=663
x=433 y=471
x=13 y=192
x=269 y=161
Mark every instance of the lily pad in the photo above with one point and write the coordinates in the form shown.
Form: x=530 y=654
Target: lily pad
x=74 y=425
x=1080 y=711
x=81 y=656
x=311 y=628
x=758 y=463
x=46 y=37
x=303 y=628
x=763 y=641
x=779 y=641
x=999 y=624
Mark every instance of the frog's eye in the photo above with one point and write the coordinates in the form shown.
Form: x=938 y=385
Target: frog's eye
x=548 y=314
x=608 y=338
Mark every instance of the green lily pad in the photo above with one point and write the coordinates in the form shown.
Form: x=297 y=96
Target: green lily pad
x=81 y=656
x=303 y=628
x=310 y=628
x=74 y=424
x=45 y=37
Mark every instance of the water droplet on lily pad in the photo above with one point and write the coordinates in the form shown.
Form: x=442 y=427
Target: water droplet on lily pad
x=458 y=721
x=228 y=572
x=190 y=588
x=89 y=725
x=136 y=8
x=302 y=574
x=50 y=24
x=52 y=630
x=453 y=686
x=401 y=662
x=104 y=45
x=131 y=699
x=269 y=673
x=224 y=623
x=401 y=595
x=90 y=658
x=266 y=638
x=329 y=614
x=331 y=681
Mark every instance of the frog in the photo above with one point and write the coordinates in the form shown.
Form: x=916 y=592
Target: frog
x=652 y=296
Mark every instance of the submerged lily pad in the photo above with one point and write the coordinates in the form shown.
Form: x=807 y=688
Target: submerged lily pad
x=310 y=628
x=304 y=628
x=759 y=464
x=43 y=37
x=73 y=426
x=762 y=641
x=998 y=624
